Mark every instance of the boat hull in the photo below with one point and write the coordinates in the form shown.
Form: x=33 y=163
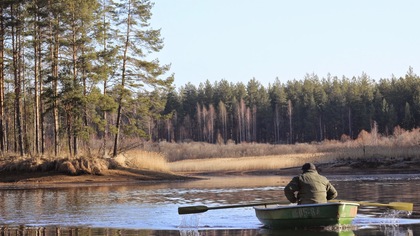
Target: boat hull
x=309 y=215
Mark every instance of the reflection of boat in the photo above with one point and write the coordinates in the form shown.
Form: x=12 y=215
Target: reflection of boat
x=310 y=215
x=303 y=232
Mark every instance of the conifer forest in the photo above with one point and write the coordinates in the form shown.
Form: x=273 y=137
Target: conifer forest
x=80 y=75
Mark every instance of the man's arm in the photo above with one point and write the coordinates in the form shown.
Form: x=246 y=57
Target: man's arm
x=291 y=189
x=331 y=192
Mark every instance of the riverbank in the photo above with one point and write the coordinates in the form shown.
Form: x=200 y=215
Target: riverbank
x=20 y=172
x=129 y=175
x=108 y=177
x=360 y=167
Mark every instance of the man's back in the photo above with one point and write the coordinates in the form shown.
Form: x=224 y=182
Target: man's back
x=311 y=187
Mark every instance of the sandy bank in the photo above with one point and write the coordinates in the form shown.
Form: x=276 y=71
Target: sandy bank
x=126 y=175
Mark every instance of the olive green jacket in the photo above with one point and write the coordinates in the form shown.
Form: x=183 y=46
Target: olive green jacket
x=310 y=187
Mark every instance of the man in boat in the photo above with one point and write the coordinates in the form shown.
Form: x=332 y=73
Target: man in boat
x=310 y=187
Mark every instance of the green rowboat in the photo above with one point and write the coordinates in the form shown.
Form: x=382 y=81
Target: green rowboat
x=309 y=215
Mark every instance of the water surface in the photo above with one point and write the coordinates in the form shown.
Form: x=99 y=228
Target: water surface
x=151 y=208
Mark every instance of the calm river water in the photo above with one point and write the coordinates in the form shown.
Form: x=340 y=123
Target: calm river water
x=151 y=208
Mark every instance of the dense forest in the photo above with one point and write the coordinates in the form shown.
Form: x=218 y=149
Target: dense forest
x=79 y=76
x=308 y=110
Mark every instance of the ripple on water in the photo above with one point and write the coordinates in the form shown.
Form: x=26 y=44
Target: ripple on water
x=390 y=217
x=190 y=221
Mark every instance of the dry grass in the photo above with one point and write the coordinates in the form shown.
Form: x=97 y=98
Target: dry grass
x=402 y=144
x=275 y=162
x=140 y=159
x=205 y=157
x=246 y=164
x=135 y=159
x=199 y=150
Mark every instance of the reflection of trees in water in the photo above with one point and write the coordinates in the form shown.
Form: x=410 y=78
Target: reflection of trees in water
x=144 y=205
x=379 y=188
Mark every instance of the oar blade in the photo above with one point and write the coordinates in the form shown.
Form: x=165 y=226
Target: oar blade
x=402 y=206
x=192 y=209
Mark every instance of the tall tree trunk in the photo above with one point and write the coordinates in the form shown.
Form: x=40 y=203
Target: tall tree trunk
x=85 y=112
x=54 y=54
x=74 y=62
x=106 y=128
x=41 y=106
x=69 y=131
x=254 y=123
x=247 y=125
x=223 y=118
x=199 y=123
x=105 y=113
x=321 y=135
x=120 y=100
x=239 y=126
x=17 y=82
x=2 y=117
x=37 y=100
x=168 y=130
x=210 y=120
x=243 y=121
x=276 y=124
x=117 y=134
x=290 y=110
x=349 y=120
x=25 y=110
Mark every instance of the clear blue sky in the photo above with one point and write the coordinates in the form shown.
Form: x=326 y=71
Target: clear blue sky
x=238 y=40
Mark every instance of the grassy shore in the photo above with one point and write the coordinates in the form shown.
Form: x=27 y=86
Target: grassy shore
x=132 y=166
x=170 y=161
x=403 y=144
x=369 y=151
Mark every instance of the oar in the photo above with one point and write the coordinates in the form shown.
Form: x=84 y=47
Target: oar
x=402 y=206
x=199 y=209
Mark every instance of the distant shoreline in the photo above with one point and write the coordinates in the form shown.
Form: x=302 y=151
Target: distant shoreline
x=111 y=177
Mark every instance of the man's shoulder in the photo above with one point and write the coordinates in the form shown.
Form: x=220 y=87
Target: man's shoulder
x=315 y=174
x=310 y=172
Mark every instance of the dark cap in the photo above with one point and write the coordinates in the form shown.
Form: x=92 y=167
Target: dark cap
x=308 y=166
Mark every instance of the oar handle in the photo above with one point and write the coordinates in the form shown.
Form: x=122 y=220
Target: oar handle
x=200 y=209
x=244 y=205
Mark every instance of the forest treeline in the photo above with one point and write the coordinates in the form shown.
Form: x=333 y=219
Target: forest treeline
x=307 y=110
x=79 y=75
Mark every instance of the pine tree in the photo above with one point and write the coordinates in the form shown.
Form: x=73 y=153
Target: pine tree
x=137 y=40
